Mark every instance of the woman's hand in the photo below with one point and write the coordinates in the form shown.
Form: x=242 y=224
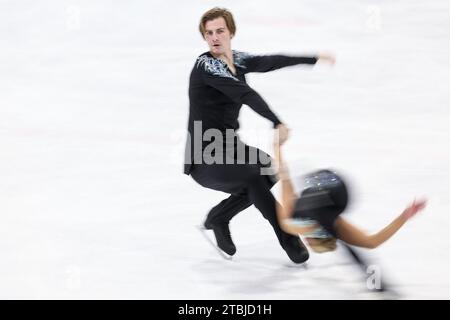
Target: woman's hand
x=413 y=208
x=327 y=58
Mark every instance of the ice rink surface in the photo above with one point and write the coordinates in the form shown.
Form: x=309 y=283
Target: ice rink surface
x=93 y=115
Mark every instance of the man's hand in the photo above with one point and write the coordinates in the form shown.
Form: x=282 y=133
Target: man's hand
x=281 y=134
x=325 y=57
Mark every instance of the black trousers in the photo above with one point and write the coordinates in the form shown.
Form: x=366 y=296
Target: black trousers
x=246 y=186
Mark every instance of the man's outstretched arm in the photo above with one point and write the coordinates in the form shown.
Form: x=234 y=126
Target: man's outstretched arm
x=266 y=63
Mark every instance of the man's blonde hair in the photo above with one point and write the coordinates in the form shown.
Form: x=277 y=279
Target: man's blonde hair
x=215 y=13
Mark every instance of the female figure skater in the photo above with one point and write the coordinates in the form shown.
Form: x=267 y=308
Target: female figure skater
x=316 y=214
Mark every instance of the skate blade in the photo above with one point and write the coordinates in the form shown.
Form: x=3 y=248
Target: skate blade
x=379 y=295
x=222 y=254
x=293 y=265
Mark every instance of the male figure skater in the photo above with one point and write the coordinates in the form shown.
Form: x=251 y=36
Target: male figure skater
x=217 y=90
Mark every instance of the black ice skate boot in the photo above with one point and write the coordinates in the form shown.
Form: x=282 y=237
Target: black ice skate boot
x=223 y=236
x=294 y=248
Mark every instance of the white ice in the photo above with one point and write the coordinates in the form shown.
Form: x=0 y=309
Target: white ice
x=93 y=115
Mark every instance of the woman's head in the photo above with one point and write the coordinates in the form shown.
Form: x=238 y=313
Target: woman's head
x=317 y=237
x=217 y=27
x=321 y=245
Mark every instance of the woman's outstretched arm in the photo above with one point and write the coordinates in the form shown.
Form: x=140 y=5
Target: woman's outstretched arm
x=355 y=236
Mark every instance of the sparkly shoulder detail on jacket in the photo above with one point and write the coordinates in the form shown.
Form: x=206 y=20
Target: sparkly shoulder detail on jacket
x=214 y=66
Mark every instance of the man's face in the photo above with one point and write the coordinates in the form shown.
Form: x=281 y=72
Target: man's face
x=218 y=36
